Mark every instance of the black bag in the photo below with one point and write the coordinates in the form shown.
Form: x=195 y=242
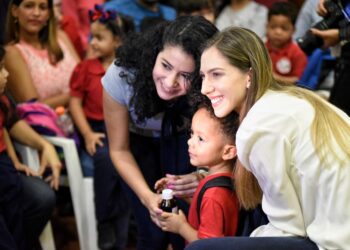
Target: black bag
x=248 y=219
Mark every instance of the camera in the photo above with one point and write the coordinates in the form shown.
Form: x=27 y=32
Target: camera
x=309 y=42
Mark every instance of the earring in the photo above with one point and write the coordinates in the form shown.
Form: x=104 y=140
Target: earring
x=15 y=20
x=248 y=84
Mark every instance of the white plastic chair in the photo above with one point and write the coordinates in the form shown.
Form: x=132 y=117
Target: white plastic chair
x=30 y=158
x=82 y=194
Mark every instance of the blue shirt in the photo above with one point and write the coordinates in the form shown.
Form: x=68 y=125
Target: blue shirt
x=122 y=92
x=135 y=10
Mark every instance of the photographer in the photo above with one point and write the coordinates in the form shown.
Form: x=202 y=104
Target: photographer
x=339 y=35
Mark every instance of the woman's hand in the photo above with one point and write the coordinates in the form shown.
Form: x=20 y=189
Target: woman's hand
x=91 y=140
x=184 y=186
x=161 y=184
x=330 y=37
x=49 y=158
x=151 y=202
x=321 y=9
x=24 y=168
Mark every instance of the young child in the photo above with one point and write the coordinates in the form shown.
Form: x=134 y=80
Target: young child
x=203 y=8
x=85 y=105
x=288 y=60
x=212 y=145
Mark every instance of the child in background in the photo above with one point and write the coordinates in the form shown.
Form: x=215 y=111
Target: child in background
x=288 y=60
x=26 y=201
x=203 y=8
x=70 y=27
x=85 y=105
x=212 y=144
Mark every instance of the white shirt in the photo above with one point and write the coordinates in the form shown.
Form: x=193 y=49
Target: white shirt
x=253 y=16
x=301 y=197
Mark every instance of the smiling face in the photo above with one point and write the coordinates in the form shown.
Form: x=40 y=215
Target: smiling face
x=172 y=72
x=103 y=42
x=279 y=30
x=32 y=15
x=224 y=84
x=207 y=144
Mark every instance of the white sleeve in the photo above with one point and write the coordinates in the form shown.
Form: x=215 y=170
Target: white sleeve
x=264 y=146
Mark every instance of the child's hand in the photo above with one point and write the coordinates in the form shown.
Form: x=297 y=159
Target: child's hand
x=161 y=184
x=24 y=168
x=93 y=139
x=172 y=222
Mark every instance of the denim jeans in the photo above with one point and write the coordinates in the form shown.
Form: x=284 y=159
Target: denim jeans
x=253 y=243
x=26 y=205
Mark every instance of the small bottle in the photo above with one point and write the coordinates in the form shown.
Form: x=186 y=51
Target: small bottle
x=64 y=121
x=168 y=203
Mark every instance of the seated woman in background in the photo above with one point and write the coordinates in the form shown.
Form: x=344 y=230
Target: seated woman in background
x=39 y=58
x=26 y=201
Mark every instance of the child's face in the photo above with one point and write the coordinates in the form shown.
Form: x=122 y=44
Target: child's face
x=207 y=143
x=103 y=42
x=279 y=30
x=3 y=77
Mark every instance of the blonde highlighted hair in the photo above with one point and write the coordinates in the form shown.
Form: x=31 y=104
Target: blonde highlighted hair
x=244 y=50
x=47 y=36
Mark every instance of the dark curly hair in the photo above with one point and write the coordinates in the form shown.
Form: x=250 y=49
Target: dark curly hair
x=288 y=9
x=229 y=124
x=140 y=50
x=2 y=53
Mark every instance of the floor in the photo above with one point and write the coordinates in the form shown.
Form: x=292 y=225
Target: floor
x=65 y=231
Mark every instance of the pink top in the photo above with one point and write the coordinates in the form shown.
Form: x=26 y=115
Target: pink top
x=49 y=80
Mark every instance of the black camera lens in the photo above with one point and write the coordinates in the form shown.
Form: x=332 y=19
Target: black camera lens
x=309 y=42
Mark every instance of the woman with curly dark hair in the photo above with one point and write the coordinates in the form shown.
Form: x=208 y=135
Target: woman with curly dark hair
x=146 y=114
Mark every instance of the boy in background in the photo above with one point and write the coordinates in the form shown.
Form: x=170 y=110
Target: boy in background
x=203 y=8
x=288 y=60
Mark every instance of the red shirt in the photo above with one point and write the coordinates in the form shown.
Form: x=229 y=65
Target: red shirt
x=69 y=26
x=289 y=60
x=8 y=118
x=85 y=83
x=218 y=213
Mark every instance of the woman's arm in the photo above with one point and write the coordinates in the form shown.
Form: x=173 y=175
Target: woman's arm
x=20 y=83
x=57 y=100
x=117 y=124
x=23 y=133
x=13 y=156
x=91 y=138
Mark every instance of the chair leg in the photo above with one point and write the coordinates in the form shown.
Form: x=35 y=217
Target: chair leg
x=46 y=238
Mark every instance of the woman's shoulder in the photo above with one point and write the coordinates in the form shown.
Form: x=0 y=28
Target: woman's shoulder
x=278 y=112
x=13 y=54
x=12 y=49
x=116 y=85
